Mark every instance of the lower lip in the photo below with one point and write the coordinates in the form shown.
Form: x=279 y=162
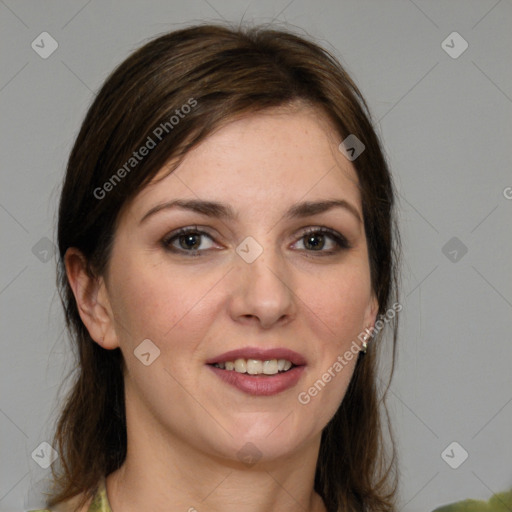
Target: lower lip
x=266 y=385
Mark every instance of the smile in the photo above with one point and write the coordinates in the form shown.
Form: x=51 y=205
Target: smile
x=256 y=366
x=257 y=371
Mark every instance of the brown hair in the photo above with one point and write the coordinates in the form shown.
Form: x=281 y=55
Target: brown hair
x=222 y=73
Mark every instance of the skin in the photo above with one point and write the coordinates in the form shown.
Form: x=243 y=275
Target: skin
x=184 y=424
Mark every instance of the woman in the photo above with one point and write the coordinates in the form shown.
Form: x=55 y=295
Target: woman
x=228 y=265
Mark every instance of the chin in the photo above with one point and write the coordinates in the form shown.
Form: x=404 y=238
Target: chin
x=267 y=441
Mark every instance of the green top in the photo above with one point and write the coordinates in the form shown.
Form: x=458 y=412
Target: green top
x=98 y=504
x=498 y=503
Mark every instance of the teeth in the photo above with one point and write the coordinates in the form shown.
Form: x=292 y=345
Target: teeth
x=270 y=367
x=256 y=366
x=240 y=366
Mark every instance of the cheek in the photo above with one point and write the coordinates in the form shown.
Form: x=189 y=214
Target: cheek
x=336 y=304
x=153 y=302
x=334 y=309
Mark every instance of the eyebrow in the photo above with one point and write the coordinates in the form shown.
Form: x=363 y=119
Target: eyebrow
x=223 y=211
x=308 y=208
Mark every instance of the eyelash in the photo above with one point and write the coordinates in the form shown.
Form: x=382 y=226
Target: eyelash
x=340 y=241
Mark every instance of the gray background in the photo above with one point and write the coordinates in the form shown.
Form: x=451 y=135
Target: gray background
x=445 y=124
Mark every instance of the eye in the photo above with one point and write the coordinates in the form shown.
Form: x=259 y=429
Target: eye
x=322 y=240
x=189 y=239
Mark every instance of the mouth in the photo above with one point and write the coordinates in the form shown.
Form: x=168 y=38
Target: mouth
x=256 y=366
x=257 y=371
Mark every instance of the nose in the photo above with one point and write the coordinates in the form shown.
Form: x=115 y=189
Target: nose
x=263 y=291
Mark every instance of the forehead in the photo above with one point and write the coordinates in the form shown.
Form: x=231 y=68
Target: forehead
x=272 y=157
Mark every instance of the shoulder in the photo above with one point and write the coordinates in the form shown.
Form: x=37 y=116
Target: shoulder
x=68 y=506
x=81 y=503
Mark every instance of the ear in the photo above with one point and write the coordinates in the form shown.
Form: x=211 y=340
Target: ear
x=92 y=300
x=370 y=316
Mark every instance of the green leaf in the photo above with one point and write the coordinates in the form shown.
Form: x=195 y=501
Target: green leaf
x=501 y=502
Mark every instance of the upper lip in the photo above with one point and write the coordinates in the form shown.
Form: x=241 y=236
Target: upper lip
x=260 y=354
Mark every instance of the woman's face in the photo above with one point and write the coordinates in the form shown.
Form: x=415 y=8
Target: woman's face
x=255 y=258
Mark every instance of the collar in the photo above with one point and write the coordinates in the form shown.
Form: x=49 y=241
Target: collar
x=100 y=501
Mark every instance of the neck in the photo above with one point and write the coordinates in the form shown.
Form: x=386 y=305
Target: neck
x=164 y=473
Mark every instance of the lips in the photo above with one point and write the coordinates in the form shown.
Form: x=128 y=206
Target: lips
x=259 y=385
x=260 y=354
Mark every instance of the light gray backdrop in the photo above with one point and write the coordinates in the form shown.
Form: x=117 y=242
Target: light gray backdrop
x=444 y=114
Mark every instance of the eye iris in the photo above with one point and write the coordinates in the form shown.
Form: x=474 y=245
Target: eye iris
x=315 y=241
x=190 y=241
